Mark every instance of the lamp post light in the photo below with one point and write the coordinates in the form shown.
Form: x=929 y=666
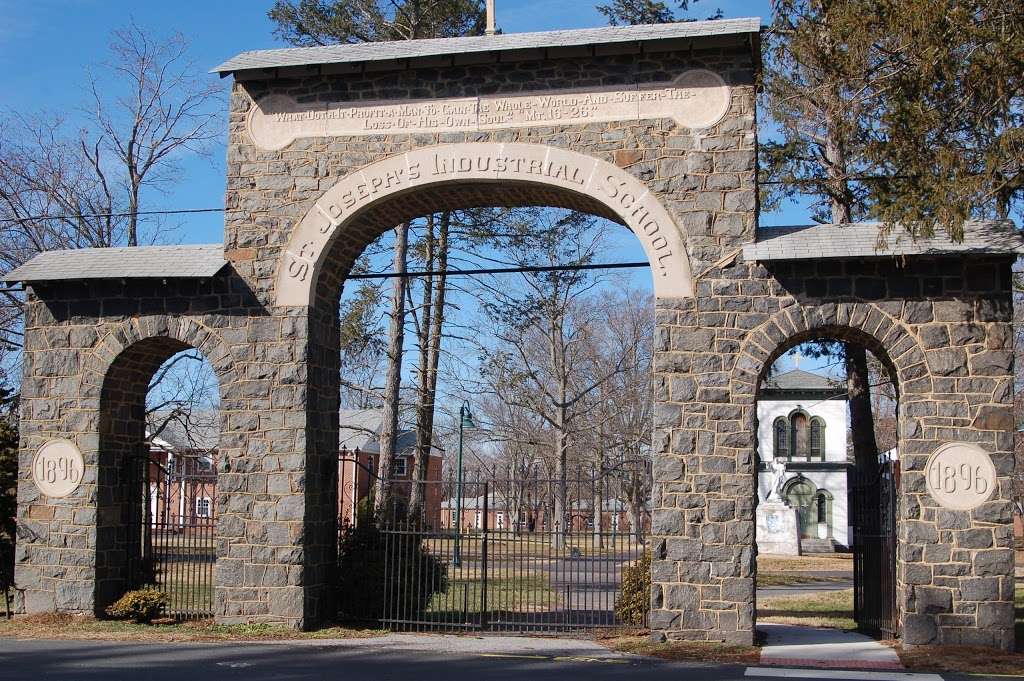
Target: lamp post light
x=465 y=421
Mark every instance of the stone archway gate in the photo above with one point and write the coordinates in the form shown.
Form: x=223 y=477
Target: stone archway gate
x=652 y=126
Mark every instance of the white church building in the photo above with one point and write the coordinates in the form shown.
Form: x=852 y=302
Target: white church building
x=802 y=420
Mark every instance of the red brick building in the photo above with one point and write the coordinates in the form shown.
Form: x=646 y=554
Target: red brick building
x=360 y=456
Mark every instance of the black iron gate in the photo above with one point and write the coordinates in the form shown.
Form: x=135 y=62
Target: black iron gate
x=172 y=530
x=498 y=561
x=875 y=508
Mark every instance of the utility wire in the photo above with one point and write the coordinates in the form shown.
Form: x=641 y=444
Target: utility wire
x=500 y=270
x=79 y=216
x=183 y=211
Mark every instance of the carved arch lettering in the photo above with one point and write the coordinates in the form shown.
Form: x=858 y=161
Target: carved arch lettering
x=597 y=180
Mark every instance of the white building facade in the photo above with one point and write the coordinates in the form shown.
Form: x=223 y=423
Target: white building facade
x=802 y=420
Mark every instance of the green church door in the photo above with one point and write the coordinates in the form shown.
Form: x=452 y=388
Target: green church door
x=801 y=497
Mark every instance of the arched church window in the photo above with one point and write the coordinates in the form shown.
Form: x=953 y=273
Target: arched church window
x=822 y=508
x=799 y=435
x=781 y=444
x=817 y=438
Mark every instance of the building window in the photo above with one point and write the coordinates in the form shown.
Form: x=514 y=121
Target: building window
x=781 y=445
x=798 y=435
x=500 y=521
x=399 y=467
x=203 y=507
x=479 y=520
x=205 y=464
x=817 y=438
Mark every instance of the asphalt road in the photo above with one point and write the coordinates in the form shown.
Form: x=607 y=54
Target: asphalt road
x=353 y=661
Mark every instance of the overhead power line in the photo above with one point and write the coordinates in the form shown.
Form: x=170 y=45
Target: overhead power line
x=184 y=211
x=79 y=216
x=499 y=270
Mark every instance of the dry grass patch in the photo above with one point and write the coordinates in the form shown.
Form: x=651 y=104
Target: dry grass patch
x=792 y=578
x=963 y=659
x=814 y=563
x=690 y=651
x=830 y=609
x=79 y=627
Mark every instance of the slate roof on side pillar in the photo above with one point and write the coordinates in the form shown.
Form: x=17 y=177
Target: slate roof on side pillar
x=136 y=262
x=862 y=240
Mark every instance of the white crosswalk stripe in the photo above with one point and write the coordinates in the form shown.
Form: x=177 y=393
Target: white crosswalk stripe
x=839 y=675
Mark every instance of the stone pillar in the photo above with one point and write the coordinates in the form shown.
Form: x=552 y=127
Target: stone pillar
x=272 y=544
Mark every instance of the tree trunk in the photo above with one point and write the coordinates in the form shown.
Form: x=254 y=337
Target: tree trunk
x=393 y=382
x=561 y=455
x=598 y=483
x=865 y=449
x=636 y=529
x=133 y=218
x=427 y=408
x=420 y=456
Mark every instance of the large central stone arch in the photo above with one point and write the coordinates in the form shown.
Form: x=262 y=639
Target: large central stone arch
x=364 y=203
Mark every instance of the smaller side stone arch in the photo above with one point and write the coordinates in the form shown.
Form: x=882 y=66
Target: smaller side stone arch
x=116 y=376
x=181 y=333
x=863 y=323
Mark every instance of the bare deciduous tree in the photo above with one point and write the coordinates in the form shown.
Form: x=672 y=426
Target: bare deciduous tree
x=157 y=112
x=61 y=189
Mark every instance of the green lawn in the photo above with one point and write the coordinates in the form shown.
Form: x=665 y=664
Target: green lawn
x=508 y=545
x=832 y=609
x=529 y=592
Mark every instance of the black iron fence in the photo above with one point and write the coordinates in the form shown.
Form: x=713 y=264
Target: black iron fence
x=875 y=511
x=173 y=528
x=514 y=555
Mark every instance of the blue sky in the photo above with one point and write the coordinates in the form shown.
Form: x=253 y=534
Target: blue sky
x=46 y=46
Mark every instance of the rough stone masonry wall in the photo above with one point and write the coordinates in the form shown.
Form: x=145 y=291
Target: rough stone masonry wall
x=79 y=336
x=945 y=325
x=704 y=178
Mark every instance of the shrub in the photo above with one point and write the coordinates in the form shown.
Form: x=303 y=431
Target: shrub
x=141 y=605
x=378 y=570
x=635 y=600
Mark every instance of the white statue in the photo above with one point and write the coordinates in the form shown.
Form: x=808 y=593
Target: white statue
x=778 y=467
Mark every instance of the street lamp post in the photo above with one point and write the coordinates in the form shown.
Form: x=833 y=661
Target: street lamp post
x=465 y=421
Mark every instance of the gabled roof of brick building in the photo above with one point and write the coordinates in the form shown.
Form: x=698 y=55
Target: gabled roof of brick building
x=360 y=429
x=398 y=51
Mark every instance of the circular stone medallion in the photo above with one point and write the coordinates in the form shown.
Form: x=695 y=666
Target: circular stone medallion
x=960 y=476
x=707 y=98
x=57 y=468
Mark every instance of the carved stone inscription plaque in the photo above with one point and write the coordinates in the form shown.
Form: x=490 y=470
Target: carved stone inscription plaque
x=960 y=476
x=698 y=98
x=57 y=468
x=487 y=162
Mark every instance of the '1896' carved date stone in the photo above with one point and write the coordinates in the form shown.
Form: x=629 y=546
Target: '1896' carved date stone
x=57 y=468
x=960 y=476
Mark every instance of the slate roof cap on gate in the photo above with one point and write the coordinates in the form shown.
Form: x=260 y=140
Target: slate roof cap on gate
x=135 y=262
x=861 y=240
x=435 y=47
